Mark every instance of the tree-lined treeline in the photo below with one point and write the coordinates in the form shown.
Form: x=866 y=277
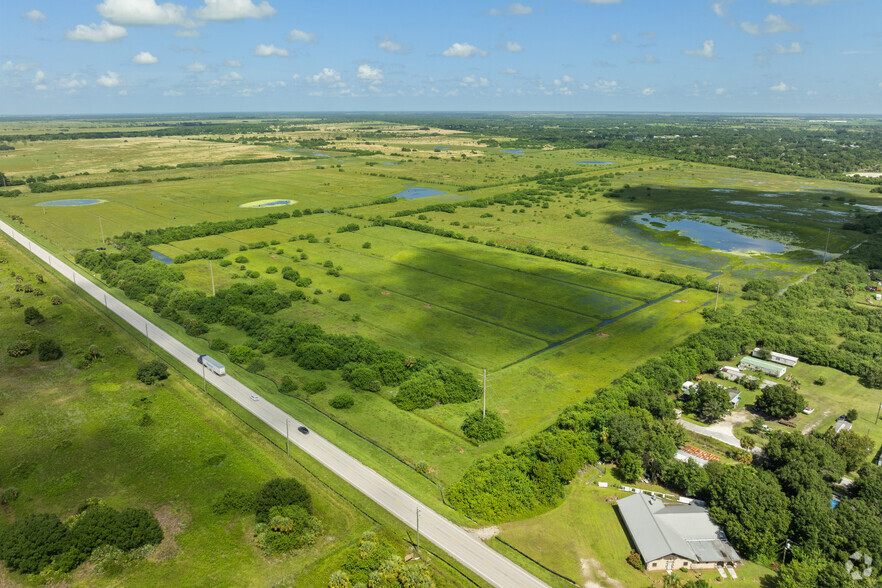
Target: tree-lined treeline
x=631 y=423
x=249 y=307
x=203 y=229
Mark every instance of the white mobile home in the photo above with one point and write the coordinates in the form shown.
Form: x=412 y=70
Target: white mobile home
x=776 y=357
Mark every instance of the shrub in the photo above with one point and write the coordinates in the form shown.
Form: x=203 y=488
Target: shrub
x=303 y=282
x=19 y=348
x=232 y=501
x=49 y=350
x=344 y=297
x=280 y=492
x=242 y=354
x=272 y=270
x=478 y=427
x=289 y=527
x=315 y=386
x=32 y=316
x=30 y=543
x=241 y=259
x=366 y=245
x=634 y=560
x=219 y=344
x=152 y=371
x=342 y=401
x=256 y=365
x=287 y=385
x=9 y=495
x=225 y=263
x=820 y=381
x=55 y=300
x=852 y=415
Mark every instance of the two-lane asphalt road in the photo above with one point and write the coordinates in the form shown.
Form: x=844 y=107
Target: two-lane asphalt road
x=470 y=551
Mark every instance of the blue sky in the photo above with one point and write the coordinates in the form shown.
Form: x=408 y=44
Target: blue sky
x=140 y=56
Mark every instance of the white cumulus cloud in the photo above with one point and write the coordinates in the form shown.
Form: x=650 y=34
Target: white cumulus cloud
x=35 y=16
x=607 y=86
x=648 y=91
x=197 y=66
x=329 y=77
x=781 y=87
x=143 y=12
x=144 y=58
x=298 y=35
x=268 y=50
x=474 y=82
x=187 y=34
x=773 y=23
x=792 y=49
x=389 y=45
x=103 y=33
x=233 y=10
x=599 y=1
x=707 y=50
x=514 y=9
x=172 y=93
x=463 y=50
x=72 y=83
x=371 y=75
x=20 y=67
x=109 y=80
x=233 y=63
x=512 y=46
x=509 y=71
x=615 y=37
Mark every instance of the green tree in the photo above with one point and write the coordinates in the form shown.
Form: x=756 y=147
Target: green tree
x=750 y=506
x=152 y=371
x=30 y=543
x=780 y=401
x=341 y=401
x=629 y=467
x=480 y=428
x=853 y=447
x=709 y=401
x=280 y=492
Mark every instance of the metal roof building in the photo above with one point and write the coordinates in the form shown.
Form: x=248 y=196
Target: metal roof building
x=761 y=365
x=670 y=537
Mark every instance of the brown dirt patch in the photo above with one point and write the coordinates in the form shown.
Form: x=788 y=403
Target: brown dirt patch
x=678 y=301
x=172 y=523
x=595 y=577
x=603 y=335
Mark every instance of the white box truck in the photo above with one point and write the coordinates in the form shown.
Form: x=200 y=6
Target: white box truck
x=212 y=364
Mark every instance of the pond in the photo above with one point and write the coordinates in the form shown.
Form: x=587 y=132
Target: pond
x=595 y=162
x=267 y=203
x=73 y=202
x=389 y=163
x=513 y=151
x=712 y=235
x=414 y=193
x=437 y=147
x=160 y=257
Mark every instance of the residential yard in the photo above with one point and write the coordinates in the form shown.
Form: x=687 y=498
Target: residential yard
x=584 y=540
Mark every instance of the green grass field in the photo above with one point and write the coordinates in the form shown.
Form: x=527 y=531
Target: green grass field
x=70 y=434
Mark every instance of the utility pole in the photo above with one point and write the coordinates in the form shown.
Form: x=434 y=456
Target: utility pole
x=827 y=244
x=102 y=230
x=717 y=301
x=484 y=410
x=287 y=444
x=147 y=334
x=204 y=385
x=418 y=531
x=877 y=413
x=211 y=271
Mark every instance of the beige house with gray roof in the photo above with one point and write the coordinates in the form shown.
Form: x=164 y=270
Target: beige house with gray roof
x=674 y=536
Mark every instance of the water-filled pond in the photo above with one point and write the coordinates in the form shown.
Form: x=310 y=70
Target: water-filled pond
x=160 y=257
x=513 y=151
x=595 y=162
x=712 y=235
x=267 y=203
x=414 y=193
x=72 y=202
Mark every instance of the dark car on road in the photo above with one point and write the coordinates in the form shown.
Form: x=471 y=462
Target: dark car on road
x=303 y=430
